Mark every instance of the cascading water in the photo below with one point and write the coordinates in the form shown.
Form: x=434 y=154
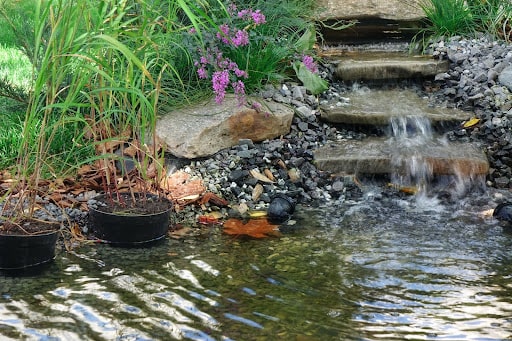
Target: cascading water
x=410 y=135
x=412 y=145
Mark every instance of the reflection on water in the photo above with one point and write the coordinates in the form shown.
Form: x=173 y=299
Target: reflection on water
x=365 y=271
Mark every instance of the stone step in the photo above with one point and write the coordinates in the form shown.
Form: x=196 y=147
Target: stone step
x=381 y=155
x=382 y=66
x=376 y=107
x=374 y=20
x=360 y=9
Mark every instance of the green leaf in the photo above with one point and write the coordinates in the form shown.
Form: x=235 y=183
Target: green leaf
x=313 y=82
x=306 y=40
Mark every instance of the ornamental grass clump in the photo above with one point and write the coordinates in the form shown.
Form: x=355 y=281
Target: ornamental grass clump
x=97 y=69
x=467 y=17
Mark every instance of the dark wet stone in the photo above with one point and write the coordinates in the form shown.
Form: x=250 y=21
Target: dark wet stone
x=280 y=209
x=503 y=212
x=238 y=175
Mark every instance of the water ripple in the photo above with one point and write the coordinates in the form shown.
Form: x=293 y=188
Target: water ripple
x=358 y=273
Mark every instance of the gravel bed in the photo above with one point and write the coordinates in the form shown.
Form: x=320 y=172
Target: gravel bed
x=479 y=81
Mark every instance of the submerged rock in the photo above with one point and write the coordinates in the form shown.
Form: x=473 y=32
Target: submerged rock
x=503 y=212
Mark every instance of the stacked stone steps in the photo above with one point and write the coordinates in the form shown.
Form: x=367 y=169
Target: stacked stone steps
x=377 y=107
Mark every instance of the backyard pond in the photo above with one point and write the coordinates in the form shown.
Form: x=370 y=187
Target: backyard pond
x=375 y=269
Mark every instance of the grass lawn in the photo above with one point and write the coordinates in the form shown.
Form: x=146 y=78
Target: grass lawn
x=15 y=70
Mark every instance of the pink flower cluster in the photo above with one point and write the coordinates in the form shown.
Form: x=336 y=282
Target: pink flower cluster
x=226 y=72
x=309 y=63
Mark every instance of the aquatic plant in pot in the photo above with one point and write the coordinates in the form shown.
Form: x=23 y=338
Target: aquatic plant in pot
x=28 y=234
x=125 y=88
x=132 y=209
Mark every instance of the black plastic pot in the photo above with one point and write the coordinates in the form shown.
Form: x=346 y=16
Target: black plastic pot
x=23 y=251
x=128 y=229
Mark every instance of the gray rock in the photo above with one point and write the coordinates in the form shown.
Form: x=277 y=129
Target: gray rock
x=278 y=97
x=304 y=111
x=505 y=77
x=457 y=57
x=297 y=93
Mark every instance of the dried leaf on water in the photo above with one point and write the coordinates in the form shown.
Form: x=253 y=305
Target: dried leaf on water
x=257 y=214
x=473 y=121
x=179 y=233
x=208 y=220
x=487 y=213
x=255 y=228
x=213 y=199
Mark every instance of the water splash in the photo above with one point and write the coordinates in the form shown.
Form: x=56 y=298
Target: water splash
x=409 y=135
x=412 y=146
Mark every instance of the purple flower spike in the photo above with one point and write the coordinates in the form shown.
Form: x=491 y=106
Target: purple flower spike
x=220 y=80
x=241 y=38
x=258 y=17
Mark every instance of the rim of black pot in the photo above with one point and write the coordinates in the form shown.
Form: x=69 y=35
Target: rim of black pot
x=31 y=235
x=130 y=215
x=169 y=209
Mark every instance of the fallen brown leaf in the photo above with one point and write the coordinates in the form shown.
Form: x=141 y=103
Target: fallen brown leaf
x=255 y=228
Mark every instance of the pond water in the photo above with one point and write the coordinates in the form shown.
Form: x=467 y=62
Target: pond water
x=378 y=269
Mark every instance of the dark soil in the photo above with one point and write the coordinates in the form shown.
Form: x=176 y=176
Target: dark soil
x=27 y=227
x=124 y=204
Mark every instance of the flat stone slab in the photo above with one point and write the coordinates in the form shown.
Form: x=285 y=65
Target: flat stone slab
x=376 y=107
x=386 y=156
x=371 y=66
x=357 y=9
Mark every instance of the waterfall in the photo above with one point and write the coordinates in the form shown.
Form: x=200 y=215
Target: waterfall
x=414 y=148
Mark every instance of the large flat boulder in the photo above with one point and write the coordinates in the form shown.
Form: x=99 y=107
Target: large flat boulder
x=203 y=129
x=359 y=9
x=381 y=155
x=377 y=107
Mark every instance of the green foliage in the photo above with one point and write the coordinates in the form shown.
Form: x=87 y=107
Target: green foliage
x=449 y=17
x=466 y=18
x=493 y=17
x=272 y=47
x=17 y=22
x=15 y=74
x=311 y=81
x=270 y=57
